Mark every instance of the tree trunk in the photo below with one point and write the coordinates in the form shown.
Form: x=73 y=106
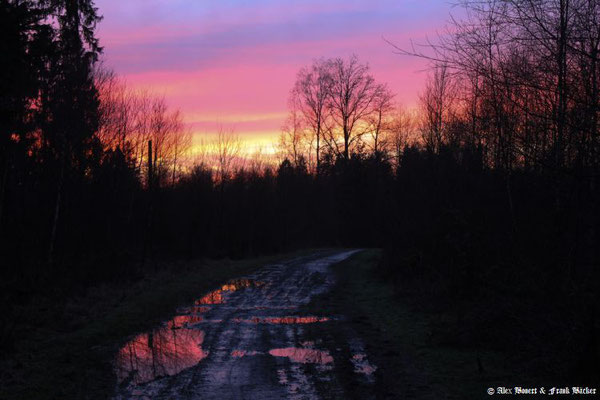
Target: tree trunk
x=55 y=220
x=318 y=147
x=148 y=228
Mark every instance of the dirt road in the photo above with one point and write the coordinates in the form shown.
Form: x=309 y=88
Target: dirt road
x=251 y=339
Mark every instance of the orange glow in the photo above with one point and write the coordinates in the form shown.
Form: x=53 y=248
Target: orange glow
x=216 y=296
x=263 y=143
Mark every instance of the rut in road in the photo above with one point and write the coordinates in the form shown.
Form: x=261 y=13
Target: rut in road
x=248 y=340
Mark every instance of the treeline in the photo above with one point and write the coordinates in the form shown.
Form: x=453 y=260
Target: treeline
x=501 y=225
x=49 y=148
x=72 y=142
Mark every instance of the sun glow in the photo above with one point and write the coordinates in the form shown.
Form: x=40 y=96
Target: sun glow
x=251 y=145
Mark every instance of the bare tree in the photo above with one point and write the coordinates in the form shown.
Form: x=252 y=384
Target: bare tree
x=291 y=141
x=351 y=99
x=437 y=103
x=259 y=161
x=130 y=119
x=179 y=144
x=403 y=127
x=309 y=97
x=380 y=119
x=337 y=102
x=115 y=111
x=226 y=149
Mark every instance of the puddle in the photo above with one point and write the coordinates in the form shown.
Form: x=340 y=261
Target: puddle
x=182 y=321
x=175 y=346
x=237 y=284
x=359 y=359
x=163 y=352
x=303 y=355
x=282 y=376
x=216 y=296
x=282 y=320
x=244 y=353
x=362 y=365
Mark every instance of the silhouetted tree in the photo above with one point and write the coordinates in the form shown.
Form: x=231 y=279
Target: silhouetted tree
x=310 y=96
x=351 y=99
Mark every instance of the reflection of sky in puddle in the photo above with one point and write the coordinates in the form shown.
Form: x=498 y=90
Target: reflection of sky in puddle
x=177 y=345
x=362 y=365
x=216 y=296
x=173 y=347
x=181 y=321
x=303 y=355
x=243 y=353
x=282 y=320
x=359 y=359
x=165 y=351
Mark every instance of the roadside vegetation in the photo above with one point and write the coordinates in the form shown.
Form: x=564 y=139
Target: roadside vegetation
x=397 y=336
x=430 y=345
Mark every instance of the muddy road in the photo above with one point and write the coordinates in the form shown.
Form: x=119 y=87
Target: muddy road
x=251 y=339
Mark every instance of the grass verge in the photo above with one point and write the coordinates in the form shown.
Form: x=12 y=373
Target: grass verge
x=65 y=349
x=412 y=363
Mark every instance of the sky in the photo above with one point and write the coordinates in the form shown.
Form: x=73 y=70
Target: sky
x=231 y=63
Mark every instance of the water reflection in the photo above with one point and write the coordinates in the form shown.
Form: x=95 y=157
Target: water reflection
x=173 y=347
x=362 y=365
x=243 y=353
x=216 y=296
x=281 y=320
x=162 y=352
x=181 y=321
x=237 y=284
x=303 y=355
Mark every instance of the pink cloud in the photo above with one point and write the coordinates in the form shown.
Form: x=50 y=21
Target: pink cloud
x=234 y=66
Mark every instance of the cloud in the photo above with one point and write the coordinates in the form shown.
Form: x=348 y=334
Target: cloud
x=234 y=61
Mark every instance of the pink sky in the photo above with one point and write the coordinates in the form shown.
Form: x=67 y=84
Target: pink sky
x=231 y=63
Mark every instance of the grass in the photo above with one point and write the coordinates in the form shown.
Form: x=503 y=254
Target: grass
x=65 y=349
x=412 y=362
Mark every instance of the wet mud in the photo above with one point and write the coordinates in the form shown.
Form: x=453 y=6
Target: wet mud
x=249 y=340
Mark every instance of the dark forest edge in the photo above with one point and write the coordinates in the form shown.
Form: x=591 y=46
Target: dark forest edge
x=486 y=203
x=425 y=347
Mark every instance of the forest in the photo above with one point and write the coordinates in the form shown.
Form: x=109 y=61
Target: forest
x=485 y=198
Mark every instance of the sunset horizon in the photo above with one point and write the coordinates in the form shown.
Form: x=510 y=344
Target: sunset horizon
x=243 y=81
